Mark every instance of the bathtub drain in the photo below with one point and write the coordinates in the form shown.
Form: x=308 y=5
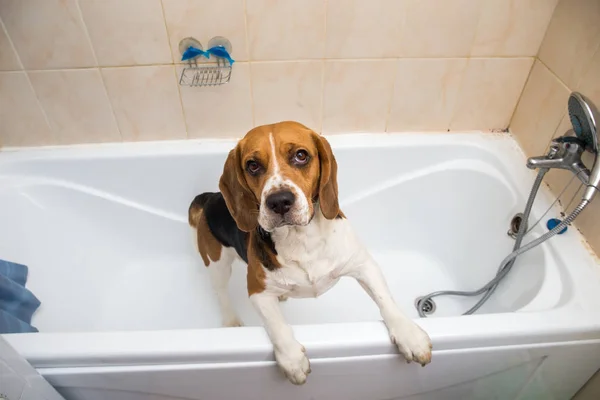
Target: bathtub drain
x=428 y=306
x=515 y=224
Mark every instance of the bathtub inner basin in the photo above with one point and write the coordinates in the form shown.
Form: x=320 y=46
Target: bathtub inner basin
x=104 y=231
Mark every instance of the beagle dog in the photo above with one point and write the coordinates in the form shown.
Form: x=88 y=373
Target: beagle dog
x=278 y=210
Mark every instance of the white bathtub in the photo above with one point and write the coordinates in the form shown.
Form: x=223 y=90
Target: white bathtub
x=127 y=311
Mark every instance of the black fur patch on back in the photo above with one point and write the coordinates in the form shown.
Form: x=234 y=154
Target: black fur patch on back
x=221 y=223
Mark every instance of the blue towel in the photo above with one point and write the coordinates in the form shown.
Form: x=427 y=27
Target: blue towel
x=17 y=304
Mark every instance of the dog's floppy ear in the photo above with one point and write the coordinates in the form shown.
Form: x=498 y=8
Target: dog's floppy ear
x=328 y=189
x=239 y=198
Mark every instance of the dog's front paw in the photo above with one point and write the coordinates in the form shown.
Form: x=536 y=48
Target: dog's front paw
x=412 y=341
x=294 y=363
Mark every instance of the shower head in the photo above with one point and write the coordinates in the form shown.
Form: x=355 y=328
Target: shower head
x=584 y=118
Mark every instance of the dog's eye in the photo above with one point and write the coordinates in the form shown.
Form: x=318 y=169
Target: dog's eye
x=252 y=167
x=301 y=157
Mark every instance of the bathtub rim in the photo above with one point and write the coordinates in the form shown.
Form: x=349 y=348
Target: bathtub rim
x=251 y=344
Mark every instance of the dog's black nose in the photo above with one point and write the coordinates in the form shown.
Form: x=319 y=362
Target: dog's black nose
x=281 y=202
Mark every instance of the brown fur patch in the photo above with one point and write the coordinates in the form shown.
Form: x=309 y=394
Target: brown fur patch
x=208 y=245
x=328 y=190
x=194 y=214
x=260 y=256
x=241 y=201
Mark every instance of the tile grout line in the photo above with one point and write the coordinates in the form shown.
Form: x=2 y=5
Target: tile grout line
x=555 y=76
x=322 y=94
x=396 y=73
x=553 y=73
x=459 y=93
x=12 y=46
x=476 y=33
x=537 y=58
x=392 y=95
x=185 y=122
x=280 y=61
x=37 y=99
x=514 y=111
x=89 y=39
x=250 y=74
x=469 y=58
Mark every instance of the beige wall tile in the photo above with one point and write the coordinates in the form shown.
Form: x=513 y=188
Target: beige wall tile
x=287 y=91
x=219 y=111
x=127 y=32
x=512 y=27
x=286 y=29
x=587 y=223
x=489 y=92
x=364 y=28
x=76 y=104
x=572 y=38
x=204 y=19
x=425 y=93
x=146 y=102
x=47 y=33
x=589 y=84
x=22 y=122
x=357 y=95
x=540 y=110
x=8 y=58
x=436 y=28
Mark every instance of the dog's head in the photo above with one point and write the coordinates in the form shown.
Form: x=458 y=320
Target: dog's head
x=276 y=174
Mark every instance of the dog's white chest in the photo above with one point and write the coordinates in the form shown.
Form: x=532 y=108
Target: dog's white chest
x=305 y=280
x=311 y=259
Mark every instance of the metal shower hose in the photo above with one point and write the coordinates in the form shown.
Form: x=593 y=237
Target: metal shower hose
x=506 y=265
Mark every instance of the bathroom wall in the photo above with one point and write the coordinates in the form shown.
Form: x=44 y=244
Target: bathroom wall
x=80 y=71
x=568 y=60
